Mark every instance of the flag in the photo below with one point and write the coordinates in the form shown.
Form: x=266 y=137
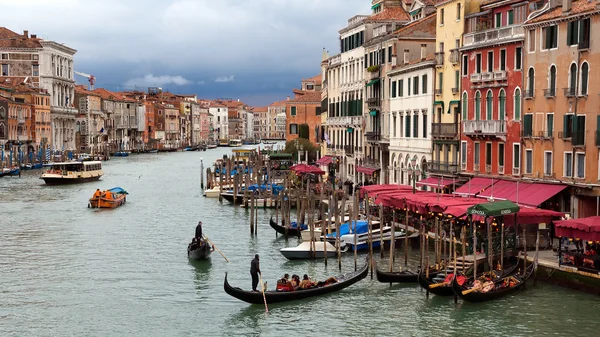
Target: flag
x=327 y=139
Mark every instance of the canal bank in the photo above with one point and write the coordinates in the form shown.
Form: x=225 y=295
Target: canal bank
x=70 y=270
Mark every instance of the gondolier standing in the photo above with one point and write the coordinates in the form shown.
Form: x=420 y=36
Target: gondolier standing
x=254 y=271
x=199 y=232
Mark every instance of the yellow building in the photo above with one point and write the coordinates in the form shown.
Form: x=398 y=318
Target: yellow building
x=446 y=117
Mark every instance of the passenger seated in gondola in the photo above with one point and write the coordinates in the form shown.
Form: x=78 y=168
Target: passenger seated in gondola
x=284 y=284
x=306 y=283
x=295 y=281
x=327 y=282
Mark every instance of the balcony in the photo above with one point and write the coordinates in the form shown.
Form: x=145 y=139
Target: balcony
x=442 y=167
x=444 y=130
x=488 y=168
x=493 y=36
x=454 y=91
x=500 y=75
x=569 y=92
x=454 y=56
x=488 y=76
x=475 y=77
x=373 y=136
x=550 y=92
x=22 y=138
x=439 y=59
x=344 y=121
x=484 y=128
x=335 y=60
x=63 y=110
x=122 y=126
x=371 y=75
x=528 y=93
x=21 y=120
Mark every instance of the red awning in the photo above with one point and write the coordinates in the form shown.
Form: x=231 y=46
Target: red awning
x=474 y=186
x=366 y=170
x=533 y=216
x=435 y=182
x=376 y=188
x=303 y=168
x=585 y=228
x=531 y=194
x=325 y=160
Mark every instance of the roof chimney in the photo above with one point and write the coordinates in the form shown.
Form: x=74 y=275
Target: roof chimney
x=566 y=5
x=288 y=98
x=26 y=34
x=406 y=56
x=34 y=36
x=423 y=51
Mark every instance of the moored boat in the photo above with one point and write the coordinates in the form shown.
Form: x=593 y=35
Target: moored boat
x=303 y=251
x=199 y=251
x=405 y=276
x=121 y=154
x=111 y=198
x=73 y=172
x=7 y=172
x=478 y=291
x=253 y=297
x=281 y=229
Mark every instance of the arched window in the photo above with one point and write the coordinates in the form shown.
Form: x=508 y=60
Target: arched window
x=465 y=115
x=517 y=106
x=584 y=78
x=552 y=84
x=572 y=78
x=489 y=110
x=502 y=105
x=2 y=131
x=477 y=105
x=530 y=83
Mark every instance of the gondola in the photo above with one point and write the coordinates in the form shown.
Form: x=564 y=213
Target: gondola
x=343 y=281
x=446 y=290
x=406 y=276
x=199 y=252
x=498 y=290
x=291 y=231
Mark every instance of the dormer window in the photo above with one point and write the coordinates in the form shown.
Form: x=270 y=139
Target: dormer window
x=376 y=8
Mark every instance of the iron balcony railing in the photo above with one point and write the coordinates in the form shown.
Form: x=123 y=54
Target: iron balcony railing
x=447 y=130
x=484 y=128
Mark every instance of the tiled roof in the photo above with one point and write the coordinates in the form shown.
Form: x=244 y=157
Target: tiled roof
x=260 y=109
x=424 y=28
x=278 y=103
x=429 y=57
x=81 y=89
x=316 y=79
x=388 y=14
x=112 y=96
x=307 y=97
x=10 y=39
x=578 y=7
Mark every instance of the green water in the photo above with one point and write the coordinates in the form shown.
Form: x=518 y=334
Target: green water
x=66 y=270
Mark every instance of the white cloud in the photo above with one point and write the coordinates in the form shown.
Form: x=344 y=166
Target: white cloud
x=151 y=80
x=224 y=79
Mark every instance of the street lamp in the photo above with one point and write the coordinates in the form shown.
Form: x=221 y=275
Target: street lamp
x=413 y=167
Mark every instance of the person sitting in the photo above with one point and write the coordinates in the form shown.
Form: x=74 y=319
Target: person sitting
x=97 y=194
x=330 y=280
x=284 y=284
x=295 y=281
x=305 y=283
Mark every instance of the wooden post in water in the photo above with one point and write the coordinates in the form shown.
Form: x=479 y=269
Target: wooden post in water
x=502 y=246
x=370 y=229
x=490 y=250
x=524 y=252
x=355 y=221
x=537 y=251
x=221 y=181
x=454 y=241
x=474 y=247
x=255 y=217
x=393 y=241
x=339 y=226
x=381 y=225
x=463 y=235
x=235 y=188
x=406 y=240
x=251 y=213
x=324 y=224
x=426 y=249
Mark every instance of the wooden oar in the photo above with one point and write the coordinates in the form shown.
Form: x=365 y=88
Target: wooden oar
x=431 y=286
x=262 y=285
x=471 y=290
x=206 y=238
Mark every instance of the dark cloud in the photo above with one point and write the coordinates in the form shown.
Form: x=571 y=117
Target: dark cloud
x=257 y=48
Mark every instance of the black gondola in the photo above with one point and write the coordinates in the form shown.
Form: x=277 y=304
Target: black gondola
x=446 y=290
x=498 y=290
x=291 y=231
x=199 y=252
x=239 y=198
x=253 y=297
x=396 y=277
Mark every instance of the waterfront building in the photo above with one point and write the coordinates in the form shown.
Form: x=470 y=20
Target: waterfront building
x=160 y=135
x=260 y=122
x=89 y=125
x=492 y=89
x=3 y=124
x=560 y=117
x=172 y=126
x=276 y=120
x=446 y=119
x=303 y=116
x=411 y=83
x=220 y=121
x=20 y=55
x=206 y=130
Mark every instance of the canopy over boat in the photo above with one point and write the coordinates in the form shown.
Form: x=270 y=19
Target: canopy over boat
x=118 y=190
x=360 y=227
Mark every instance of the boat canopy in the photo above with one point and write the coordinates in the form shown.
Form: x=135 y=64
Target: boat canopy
x=362 y=226
x=275 y=188
x=118 y=190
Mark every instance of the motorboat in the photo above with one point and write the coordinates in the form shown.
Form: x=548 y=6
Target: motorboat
x=111 y=198
x=303 y=251
x=72 y=172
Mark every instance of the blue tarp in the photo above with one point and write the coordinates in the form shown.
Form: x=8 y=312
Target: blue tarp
x=275 y=188
x=118 y=190
x=362 y=226
x=294 y=224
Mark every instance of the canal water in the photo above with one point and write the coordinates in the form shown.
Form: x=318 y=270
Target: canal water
x=66 y=270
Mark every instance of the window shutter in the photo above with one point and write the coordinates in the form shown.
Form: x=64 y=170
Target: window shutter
x=548 y=32
x=527 y=125
x=565 y=125
x=569 y=33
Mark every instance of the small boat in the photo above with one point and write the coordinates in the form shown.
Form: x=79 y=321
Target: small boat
x=281 y=229
x=121 y=154
x=73 y=172
x=213 y=192
x=191 y=148
x=235 y=143
x=482 y=292
x=253 y=297
x=112 y=198
x=303 y=251
x=199 y=251
x=405 y=276
x=7 y=172
x=211 y=146
x=153 y=151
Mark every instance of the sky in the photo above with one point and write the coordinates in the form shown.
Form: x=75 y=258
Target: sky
x=253 y=50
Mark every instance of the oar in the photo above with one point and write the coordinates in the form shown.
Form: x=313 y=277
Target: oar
x=262 y=285
x=431 y=286
x=206 y=238
x=471 y=290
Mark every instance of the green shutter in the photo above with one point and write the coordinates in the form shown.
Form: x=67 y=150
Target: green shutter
x=511 y=19
x=570 y=33
x=565 y=125
x=550 y=124
x=548 y=43
x=527 y=125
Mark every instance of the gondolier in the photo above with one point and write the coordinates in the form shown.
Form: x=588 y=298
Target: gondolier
x=199 y=232
x=254 y=271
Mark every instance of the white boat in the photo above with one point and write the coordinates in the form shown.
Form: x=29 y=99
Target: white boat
x=235 y=142
x=362 y=239
x=330 y=227
x=303 y=251
x=213 y=192
x=72 y=172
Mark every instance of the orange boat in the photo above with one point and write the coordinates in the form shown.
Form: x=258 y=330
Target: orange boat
x=112 y=198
